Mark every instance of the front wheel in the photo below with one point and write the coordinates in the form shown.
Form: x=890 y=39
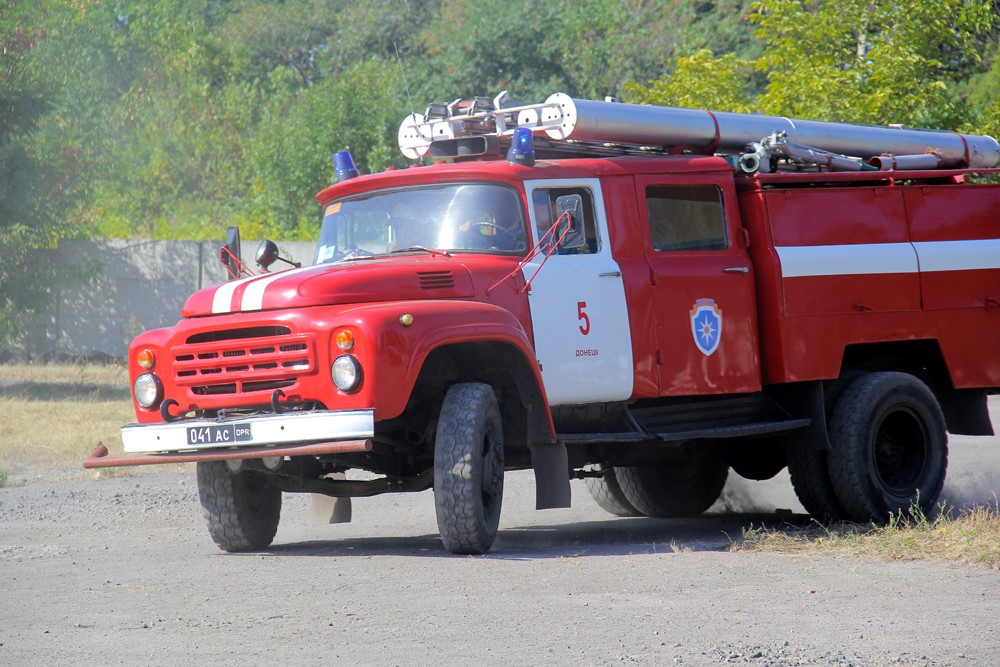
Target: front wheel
x=889 y=447
x=242 y=509
x=468 y=469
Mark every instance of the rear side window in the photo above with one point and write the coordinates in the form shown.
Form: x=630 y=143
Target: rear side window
x=686 y=217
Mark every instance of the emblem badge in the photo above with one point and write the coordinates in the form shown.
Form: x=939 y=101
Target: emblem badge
x=706 y=325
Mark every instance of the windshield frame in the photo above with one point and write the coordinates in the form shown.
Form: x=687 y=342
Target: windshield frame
x=507 y=198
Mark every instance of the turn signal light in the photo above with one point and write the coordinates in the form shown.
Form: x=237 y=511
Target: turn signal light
x=145 y=359
x=345 y=339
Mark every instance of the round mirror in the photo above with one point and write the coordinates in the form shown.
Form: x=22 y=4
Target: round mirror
x=267 y=253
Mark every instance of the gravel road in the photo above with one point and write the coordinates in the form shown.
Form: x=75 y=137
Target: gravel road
x=122 y=571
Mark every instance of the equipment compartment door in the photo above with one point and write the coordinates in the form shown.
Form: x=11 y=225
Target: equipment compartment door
x=577 y=302
x=703 y=286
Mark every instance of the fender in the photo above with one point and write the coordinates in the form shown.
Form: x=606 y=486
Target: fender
x=437 y=324
x=391 y=346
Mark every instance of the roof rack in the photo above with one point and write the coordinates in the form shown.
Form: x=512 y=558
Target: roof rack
x=477 y=127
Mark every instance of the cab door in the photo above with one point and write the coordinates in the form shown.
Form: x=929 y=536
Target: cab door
x=703 y=285
x=577 y=300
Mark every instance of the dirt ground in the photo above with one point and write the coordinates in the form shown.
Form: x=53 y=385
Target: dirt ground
x=122 y=571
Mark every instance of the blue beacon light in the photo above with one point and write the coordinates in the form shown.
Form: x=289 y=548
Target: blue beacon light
x=343 y=166
x=521 y=149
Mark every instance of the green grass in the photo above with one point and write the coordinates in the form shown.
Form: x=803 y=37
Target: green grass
x=968 y=536
x=53 y=415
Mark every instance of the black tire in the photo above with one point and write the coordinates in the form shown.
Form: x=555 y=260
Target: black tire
x=607 y=493
x=809 y=468
x=890 y=447
x=810 y=475
x=242 y=509
x=468 y=469
x=674 y=490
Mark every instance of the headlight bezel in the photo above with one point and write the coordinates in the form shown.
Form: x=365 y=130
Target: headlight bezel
x=152 y=383
x=346 y=373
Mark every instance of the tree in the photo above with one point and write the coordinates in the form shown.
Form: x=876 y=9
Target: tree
x=865 y=61
x=32 y=189
x=870 y=62
x=701 y=81
x=291 y=157
x=480 y=47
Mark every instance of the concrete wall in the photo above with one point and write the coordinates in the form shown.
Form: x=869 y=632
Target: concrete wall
x=126 y=287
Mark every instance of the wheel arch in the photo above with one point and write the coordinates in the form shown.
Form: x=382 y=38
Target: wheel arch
x=965 y=410
x=503 y=366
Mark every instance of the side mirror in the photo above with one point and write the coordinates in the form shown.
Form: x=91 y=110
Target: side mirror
x=573 y=206
x=267 y=254
x=229 y=253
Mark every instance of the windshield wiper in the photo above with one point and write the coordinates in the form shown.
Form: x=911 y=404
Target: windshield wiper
x=413 y=248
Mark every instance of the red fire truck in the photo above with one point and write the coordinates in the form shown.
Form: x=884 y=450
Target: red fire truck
x=643 y=297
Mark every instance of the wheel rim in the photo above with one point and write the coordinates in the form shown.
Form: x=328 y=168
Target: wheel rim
x=899 y=452
x=492 y=477
x=256 y=492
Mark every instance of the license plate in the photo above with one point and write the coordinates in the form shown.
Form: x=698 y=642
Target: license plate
x=222 y=434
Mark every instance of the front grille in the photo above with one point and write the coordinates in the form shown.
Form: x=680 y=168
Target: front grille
x=436 y=279
x=242 y=361
x=237 y=334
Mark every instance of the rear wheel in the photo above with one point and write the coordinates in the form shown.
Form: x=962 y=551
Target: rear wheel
x=678 y=489
x=890 y=447
x=468 y=469
x=809 y=468
x=607 y=492
x=242 y=509
x=810 y=477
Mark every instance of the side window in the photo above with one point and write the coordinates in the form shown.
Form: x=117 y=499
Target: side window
x=686 y=217
x=543 y=200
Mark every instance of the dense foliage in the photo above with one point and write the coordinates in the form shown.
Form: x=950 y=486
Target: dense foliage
x=174 y=118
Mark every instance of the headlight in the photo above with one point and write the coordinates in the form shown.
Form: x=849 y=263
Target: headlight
x=148 y=390
x=346 y=372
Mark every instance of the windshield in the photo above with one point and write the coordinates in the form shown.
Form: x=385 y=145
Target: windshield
x=475 y=217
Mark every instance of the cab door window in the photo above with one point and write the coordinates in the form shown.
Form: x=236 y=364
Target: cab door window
x=544 y=202
x=686 y=217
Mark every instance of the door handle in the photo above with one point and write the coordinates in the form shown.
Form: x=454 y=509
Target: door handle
x=737 y=269
x=610 y=274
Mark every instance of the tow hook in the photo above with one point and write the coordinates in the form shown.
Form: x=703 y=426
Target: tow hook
x=275 y=405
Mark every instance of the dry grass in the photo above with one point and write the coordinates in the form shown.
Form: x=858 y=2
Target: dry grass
x=52 y=417
x=967 y=536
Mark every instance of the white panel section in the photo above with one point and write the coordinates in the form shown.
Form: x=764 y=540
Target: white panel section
x=573 y=294
x=222 y=302
x=267 y=430
x=847 y=260
x=253 y=296
x=958 y=255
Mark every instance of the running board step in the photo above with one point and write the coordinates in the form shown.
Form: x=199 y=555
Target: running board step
x=739 y=431
x=712 y=433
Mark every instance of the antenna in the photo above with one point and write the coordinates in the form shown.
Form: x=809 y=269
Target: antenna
x=406 y=86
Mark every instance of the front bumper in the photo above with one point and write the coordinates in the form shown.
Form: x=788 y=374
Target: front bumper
x=278 y=429
x=287 y=434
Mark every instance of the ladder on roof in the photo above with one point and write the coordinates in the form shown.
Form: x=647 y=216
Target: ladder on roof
x=758 y=141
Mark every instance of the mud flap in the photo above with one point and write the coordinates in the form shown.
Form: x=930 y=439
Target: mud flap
x=326 y=509
x=330 y=510
x=551 y=464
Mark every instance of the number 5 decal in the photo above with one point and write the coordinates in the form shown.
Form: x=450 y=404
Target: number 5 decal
x=583 y=317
